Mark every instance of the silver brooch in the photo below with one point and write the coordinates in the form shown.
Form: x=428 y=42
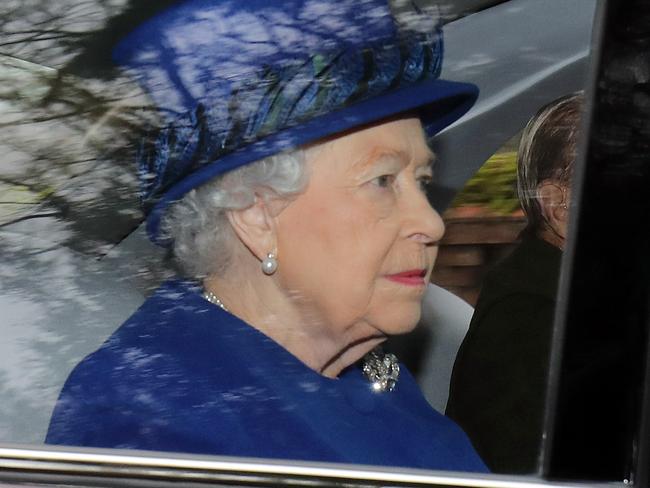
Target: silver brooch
x=381 y=369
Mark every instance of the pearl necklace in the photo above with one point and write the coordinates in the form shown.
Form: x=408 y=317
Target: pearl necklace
x=214 y=299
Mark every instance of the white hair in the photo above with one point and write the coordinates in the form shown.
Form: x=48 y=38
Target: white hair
x=202 y=238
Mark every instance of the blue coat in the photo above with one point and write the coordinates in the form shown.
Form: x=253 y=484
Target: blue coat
x=184 y=375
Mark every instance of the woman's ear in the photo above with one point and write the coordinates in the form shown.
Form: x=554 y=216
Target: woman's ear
x=554 y=202
x=255 y=227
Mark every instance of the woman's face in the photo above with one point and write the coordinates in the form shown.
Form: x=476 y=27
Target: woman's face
x=356 y=249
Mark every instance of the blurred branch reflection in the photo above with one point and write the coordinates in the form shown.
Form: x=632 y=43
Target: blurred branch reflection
x=67 y=141
x=68 y=194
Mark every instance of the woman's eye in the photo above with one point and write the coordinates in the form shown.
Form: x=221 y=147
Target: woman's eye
x=384 y=181
x=424 y=182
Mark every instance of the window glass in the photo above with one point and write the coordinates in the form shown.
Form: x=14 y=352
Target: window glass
x=483 y=224
x=502 y=251
x=108 y=114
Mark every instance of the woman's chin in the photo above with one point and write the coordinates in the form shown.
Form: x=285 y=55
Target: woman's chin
x=402 y=321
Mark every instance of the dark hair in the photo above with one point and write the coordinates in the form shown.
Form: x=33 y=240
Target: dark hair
x=547 y=151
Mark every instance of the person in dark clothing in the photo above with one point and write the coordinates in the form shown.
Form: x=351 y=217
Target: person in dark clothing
x=497 y=390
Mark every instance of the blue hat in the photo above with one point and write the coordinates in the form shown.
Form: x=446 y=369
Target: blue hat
x=237 y=81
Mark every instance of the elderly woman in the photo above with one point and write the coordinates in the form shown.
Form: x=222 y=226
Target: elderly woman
x=290 y=182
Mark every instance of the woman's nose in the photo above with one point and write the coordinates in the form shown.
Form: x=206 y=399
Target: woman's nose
x=421 y=222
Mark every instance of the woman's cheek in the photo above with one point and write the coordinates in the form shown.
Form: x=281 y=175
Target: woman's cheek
x=379 y=202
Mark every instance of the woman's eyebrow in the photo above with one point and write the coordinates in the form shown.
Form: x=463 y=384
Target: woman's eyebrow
x=379 y=155
x=429 y=162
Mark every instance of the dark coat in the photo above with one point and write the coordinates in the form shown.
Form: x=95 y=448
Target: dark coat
x=498 y=384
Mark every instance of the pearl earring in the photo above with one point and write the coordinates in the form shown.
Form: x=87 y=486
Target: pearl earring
x=269 y=264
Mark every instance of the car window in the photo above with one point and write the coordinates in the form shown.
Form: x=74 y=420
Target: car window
x=77 y=262
x=486 y=208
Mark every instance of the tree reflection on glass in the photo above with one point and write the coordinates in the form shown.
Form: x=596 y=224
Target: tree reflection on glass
x=68 y=193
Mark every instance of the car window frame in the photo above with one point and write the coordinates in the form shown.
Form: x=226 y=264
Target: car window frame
x=579 y=280
x=112 y=467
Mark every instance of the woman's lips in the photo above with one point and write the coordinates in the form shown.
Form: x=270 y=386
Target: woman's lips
x=413 y=277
